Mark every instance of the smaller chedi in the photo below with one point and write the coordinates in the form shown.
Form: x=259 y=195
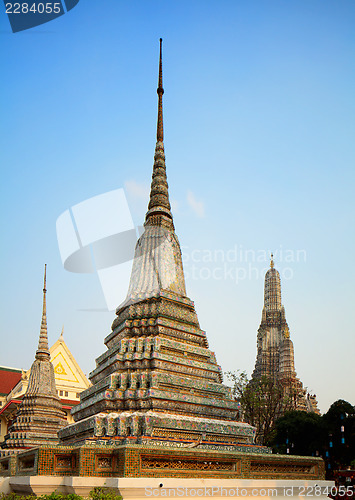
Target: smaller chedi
x=40 y=415
x=69 y=380
x=275 y=353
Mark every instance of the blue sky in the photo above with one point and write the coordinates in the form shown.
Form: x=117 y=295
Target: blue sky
x=259 y=139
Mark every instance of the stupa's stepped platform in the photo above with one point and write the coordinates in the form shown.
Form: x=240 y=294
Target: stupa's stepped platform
x=153 y=387
x=163 y=313
x=151 y=370
x=158 y=388
x=143 y=353
x=152 y=426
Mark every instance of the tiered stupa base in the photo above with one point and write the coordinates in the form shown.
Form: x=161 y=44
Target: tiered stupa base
x=158 y=382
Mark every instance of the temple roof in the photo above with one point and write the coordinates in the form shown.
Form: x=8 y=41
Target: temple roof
x=9 y=377
x=68 y=373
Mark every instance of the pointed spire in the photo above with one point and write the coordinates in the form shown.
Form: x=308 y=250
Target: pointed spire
x=160 y=92
x=159 y=210
x=272 y=261
x=61 y=338
x=43 y=350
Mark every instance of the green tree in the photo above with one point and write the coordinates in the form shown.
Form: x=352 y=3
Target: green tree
x=262 y=402
x=239 y=381
x=340 y=443
x=332 y=435
x=299 y=433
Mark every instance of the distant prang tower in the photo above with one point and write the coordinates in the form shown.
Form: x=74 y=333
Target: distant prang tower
x=275 y=354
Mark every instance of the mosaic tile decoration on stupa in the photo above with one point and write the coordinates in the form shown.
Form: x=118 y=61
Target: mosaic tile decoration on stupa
x=158 y=382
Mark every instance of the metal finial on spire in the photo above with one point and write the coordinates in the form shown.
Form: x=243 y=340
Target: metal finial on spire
x=43 y=350
x=272 y=261
x=160 y=92
x=45 y=279
x=45 y=289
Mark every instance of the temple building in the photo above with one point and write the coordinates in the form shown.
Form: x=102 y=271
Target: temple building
x=158 y=382
x=36 y=403
x=157 y=407
x=275 y=354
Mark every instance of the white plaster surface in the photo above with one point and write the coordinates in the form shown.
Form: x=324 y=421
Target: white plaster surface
x=4 y=485
x=150 y=488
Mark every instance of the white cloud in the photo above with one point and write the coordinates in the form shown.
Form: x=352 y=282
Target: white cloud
x=197 y=206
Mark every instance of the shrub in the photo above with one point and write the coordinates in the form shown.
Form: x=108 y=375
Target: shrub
x=97 y=493
x=100 y=493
